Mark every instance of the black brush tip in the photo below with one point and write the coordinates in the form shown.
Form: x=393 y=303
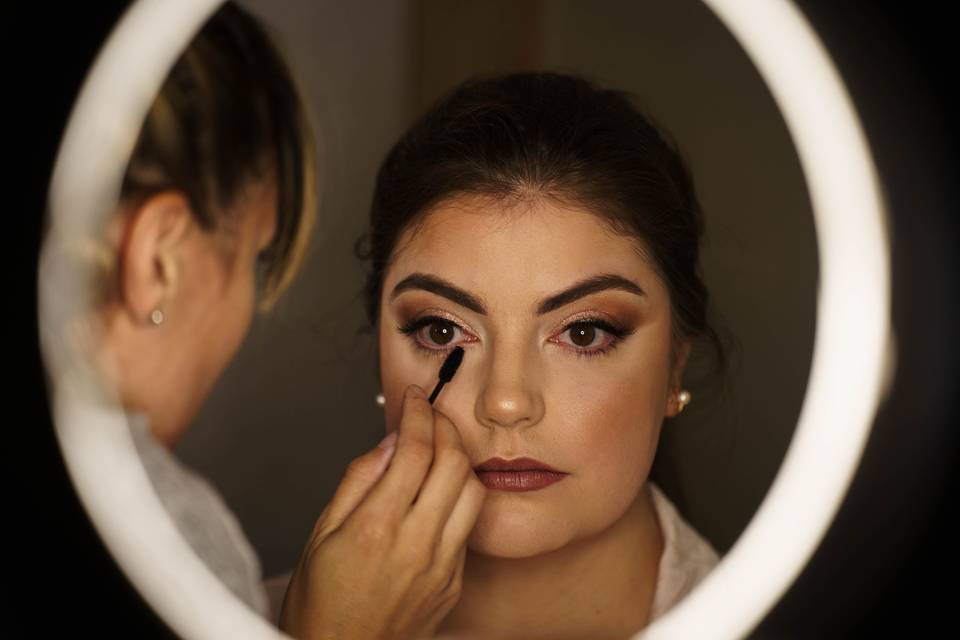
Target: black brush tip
x=451 y=364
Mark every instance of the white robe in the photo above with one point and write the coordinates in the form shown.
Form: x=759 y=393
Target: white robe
x=203 y=519
x=687 y=557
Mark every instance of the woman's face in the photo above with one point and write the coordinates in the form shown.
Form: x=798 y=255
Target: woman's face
x=567 y=333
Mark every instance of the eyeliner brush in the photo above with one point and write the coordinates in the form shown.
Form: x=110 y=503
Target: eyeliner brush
x=449 y=367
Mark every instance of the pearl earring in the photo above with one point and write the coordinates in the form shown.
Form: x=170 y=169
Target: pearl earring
x=683 y=399
x=157 y=317
x=381 y=400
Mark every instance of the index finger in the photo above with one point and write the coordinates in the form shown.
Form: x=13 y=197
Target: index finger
x=395 y=492
x=444 y=483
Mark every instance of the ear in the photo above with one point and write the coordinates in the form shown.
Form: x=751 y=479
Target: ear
x=149 y=260
x=680 y=357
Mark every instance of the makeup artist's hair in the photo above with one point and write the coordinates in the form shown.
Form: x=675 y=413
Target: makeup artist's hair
x=545 y=135
x=228 y=115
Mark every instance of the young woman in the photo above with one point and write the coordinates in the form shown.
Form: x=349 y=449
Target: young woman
x=548 y=228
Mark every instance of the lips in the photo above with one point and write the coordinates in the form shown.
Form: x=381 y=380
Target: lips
x=520 y=474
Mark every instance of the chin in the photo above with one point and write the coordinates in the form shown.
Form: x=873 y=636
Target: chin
x=512 y=533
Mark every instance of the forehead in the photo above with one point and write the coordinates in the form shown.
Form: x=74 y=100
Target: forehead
x=505 y=251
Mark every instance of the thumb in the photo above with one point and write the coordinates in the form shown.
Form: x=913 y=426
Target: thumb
x=360 y=477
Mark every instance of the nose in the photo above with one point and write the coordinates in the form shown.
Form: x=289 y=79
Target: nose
x=510 y=397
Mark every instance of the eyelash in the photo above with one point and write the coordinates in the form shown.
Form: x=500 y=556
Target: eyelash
x=618 y=333
x=412 y=327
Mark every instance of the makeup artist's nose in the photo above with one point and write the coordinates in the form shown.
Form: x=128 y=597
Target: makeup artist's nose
x=510 y=396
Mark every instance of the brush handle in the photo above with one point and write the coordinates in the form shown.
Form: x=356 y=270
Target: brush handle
x=436 y=392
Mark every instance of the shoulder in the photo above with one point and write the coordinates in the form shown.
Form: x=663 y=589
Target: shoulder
x=687 y=556
x=202 y=517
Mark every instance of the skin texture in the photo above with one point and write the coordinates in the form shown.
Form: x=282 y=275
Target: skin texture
x=556 y=561
x=203 y=282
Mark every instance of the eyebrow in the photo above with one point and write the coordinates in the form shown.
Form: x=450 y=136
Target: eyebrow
x=581 y=289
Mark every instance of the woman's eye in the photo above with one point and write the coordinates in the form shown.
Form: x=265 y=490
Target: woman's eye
x=591 y=337
x=433 y=333
x=440 y=332
x=583 y=334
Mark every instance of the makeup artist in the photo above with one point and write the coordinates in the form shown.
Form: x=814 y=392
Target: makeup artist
x=215 y=214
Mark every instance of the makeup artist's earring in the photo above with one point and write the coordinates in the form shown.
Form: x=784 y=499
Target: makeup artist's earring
x=683 y=399
x=157 y=317
x=381 y=400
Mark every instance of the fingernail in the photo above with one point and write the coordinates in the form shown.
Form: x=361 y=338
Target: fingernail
x=416 y=392
x=389 y=441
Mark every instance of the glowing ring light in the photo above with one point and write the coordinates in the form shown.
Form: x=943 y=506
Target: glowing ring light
x=96 y=443
x=853 y=337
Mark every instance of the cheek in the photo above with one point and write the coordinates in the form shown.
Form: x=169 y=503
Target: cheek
x=244 y=308
x=234 y=314
x=610 y=415
x=613 y=426
x=400 y=366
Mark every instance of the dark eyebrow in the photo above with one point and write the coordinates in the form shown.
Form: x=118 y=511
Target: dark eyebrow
x=579 y=290
x=440 y=287
x=585 y=287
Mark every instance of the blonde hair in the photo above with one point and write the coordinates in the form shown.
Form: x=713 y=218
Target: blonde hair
x=230 y=114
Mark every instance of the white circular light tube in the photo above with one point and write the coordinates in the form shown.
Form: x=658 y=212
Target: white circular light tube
x=96 y=442
x=844 y=390
x=853 y=344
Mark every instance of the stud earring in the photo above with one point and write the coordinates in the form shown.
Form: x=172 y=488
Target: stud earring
x=157 y=317
x=683 y=399
x=381 y=400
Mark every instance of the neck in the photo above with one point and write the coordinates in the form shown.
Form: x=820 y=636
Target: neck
x=141 y=372
x=597 y=587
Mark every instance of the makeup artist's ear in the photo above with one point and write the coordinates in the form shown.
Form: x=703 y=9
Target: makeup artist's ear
x=149 y=253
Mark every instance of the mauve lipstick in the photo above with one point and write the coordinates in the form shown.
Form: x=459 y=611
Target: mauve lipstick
x=521 y=474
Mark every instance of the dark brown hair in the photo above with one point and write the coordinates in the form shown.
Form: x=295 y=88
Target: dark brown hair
x=230 y=114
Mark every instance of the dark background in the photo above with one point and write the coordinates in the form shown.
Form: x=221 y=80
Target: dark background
x=887 y=563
